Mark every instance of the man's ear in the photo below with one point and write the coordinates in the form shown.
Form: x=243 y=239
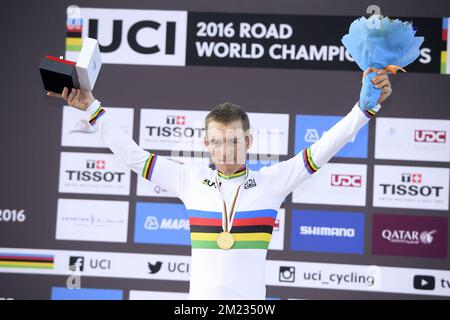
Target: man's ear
x=248 y=141
x=205 y=141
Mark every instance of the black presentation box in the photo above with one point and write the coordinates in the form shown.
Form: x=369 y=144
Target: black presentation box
x=58 y=73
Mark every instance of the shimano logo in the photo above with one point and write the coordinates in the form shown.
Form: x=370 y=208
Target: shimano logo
x=327 y=231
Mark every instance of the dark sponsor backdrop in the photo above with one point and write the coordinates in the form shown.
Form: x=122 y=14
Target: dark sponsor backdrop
x=31 y=126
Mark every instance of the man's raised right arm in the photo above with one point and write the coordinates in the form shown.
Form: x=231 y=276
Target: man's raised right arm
x=168 y=174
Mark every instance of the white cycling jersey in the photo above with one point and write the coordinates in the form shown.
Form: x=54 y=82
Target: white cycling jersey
x=239 y=272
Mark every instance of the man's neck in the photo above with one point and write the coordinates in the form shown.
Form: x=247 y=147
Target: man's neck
x=231 y=172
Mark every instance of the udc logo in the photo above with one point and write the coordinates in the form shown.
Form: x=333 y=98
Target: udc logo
x=142 y=37
x=287 y=274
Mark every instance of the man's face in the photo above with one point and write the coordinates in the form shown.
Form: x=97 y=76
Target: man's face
x=227 y=143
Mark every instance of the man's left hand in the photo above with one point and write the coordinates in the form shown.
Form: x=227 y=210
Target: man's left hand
x=381 y=81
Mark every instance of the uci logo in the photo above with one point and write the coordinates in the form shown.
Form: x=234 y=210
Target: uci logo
x=131 y=36
x=144 y=37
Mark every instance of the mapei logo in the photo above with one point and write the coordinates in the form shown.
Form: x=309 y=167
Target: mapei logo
x=311 y=128
x=430 y=136
x=152 y=223
x=311 y=135
x=144 y=37
x=163 y=223
x=346 y=180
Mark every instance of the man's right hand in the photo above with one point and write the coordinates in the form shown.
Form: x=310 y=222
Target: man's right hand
x=77 y=98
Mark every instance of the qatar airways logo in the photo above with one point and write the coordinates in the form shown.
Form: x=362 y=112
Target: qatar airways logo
x=346 y=180
x=430 y=136
x=408 y=237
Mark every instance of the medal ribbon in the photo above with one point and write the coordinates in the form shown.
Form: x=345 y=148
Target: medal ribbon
x=227 y=217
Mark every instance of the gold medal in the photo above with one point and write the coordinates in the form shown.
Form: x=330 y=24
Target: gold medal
x=225 y=240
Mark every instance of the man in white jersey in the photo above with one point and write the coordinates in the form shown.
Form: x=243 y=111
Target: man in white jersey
x=231 y=209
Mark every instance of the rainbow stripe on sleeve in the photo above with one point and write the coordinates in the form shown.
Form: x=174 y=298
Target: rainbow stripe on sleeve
x=97 y=114
x=149 y=166
x=369 y=113
x=308 y=161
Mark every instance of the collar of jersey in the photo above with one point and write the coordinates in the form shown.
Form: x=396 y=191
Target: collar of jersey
x=241 y=172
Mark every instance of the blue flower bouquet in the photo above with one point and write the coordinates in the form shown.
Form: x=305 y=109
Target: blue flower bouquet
x=380 y=43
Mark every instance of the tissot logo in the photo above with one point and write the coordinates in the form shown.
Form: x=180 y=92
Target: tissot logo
x=176 y=132
x=430 y=136
x=181 y=120
x=93 y=175
x=95 y=164
x=346 y=180
x=412 y=187
x=154 y=268
x=412 y=177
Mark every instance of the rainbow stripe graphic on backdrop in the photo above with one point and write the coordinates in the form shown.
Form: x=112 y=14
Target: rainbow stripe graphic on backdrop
x=444 y=53
x=31 y=261
x=73 y=35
